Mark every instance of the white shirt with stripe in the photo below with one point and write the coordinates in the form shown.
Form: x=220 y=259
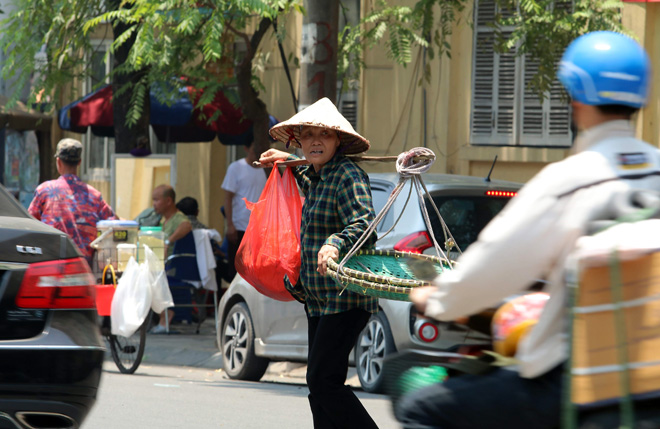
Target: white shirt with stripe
x=532 y=237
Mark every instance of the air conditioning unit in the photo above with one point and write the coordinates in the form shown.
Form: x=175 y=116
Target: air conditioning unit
x=348 y=106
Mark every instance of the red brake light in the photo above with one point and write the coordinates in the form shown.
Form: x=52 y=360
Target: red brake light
x=61 y=284
x=416 y=242
x=506 y=194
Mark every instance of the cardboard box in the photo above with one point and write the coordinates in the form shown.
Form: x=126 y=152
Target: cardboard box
x=596 y=365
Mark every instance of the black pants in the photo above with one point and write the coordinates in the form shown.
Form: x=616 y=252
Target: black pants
x=331 y=338
x=498 y=399
x=231 y=256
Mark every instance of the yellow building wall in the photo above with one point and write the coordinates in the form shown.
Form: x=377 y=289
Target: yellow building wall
x=392 y=107
x=643 y=20
x=135 y=179
x=391 y=112
x=200 y=170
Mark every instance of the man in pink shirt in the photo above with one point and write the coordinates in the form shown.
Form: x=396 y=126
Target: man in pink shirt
x=69 y=204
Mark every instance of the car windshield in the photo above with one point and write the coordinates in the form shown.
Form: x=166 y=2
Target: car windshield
x=465 y=216
x=9 y=206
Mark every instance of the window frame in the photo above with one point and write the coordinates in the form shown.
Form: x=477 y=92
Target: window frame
x=119 y=156
x=97 y=173
x=517 y=117
x=383 y=189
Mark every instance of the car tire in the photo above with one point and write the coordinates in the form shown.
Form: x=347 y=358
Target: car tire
x=237 y=346
x=372 y=345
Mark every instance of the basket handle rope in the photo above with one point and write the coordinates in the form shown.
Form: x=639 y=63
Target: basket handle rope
x=112 y=272
x=410 y=165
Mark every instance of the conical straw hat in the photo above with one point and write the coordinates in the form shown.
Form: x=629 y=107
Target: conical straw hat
x=324 y=114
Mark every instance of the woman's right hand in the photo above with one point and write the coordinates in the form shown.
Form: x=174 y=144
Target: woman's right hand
x=269 y=157
x=232 y=234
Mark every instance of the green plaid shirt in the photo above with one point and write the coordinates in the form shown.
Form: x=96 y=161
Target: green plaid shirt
x=338 y=209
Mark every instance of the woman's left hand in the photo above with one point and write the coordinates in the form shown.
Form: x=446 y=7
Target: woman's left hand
x=326 y=252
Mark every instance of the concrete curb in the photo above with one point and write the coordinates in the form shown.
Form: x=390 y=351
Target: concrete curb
x=186 y=348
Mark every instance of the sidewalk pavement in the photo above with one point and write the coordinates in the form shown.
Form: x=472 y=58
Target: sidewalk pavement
x=186 y=348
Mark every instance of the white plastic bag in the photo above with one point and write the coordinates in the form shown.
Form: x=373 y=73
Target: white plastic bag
x=161 y=296
x=132 y=300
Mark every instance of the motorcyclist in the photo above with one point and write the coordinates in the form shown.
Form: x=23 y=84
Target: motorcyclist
x=607 y=77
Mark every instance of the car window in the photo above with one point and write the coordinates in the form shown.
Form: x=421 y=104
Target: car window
x=380 y=195
x=9 y=206
x=465 y=216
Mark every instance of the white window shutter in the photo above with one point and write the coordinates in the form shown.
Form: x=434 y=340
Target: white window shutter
x=544 y=123
x=493 y=93
x=493 y=84
x=559 y=116
x=506 y=98
x=533 y=110
x=483 y=113
x=485 y=10
x=558 y=124
x=348 y=107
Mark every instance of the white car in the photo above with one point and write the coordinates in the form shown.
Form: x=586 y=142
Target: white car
x=255 y=329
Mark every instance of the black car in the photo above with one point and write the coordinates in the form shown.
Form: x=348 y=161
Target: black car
x=51 y=351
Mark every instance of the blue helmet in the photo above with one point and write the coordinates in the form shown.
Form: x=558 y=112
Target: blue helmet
x=604 y=67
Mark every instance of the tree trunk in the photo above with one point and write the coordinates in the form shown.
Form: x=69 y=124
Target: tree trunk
x=126 y=138
x=319 y=52
x=253 y=107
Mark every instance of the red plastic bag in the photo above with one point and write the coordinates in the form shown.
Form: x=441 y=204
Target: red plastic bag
x=271 y=245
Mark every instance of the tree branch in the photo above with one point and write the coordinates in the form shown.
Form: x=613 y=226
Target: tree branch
x=240 y=34
x=252 y=43
x=259 y=34
x=253 y=108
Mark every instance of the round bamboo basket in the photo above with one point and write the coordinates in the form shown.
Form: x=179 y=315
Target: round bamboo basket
x=382 y=273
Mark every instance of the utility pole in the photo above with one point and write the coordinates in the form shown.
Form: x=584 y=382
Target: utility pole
x=318 y=58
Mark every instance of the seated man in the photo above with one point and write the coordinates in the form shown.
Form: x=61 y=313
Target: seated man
x=175 y=226
x=148 y=217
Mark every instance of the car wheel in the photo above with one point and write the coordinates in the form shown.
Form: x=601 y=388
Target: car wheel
x=237 y=346
x=373 y=344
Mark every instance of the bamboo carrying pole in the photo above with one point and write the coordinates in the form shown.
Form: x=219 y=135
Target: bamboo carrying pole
x=297 y=162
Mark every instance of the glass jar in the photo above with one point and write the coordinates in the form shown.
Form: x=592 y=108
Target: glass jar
x=124 y=253
x=111 y=234
x=154 y=237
